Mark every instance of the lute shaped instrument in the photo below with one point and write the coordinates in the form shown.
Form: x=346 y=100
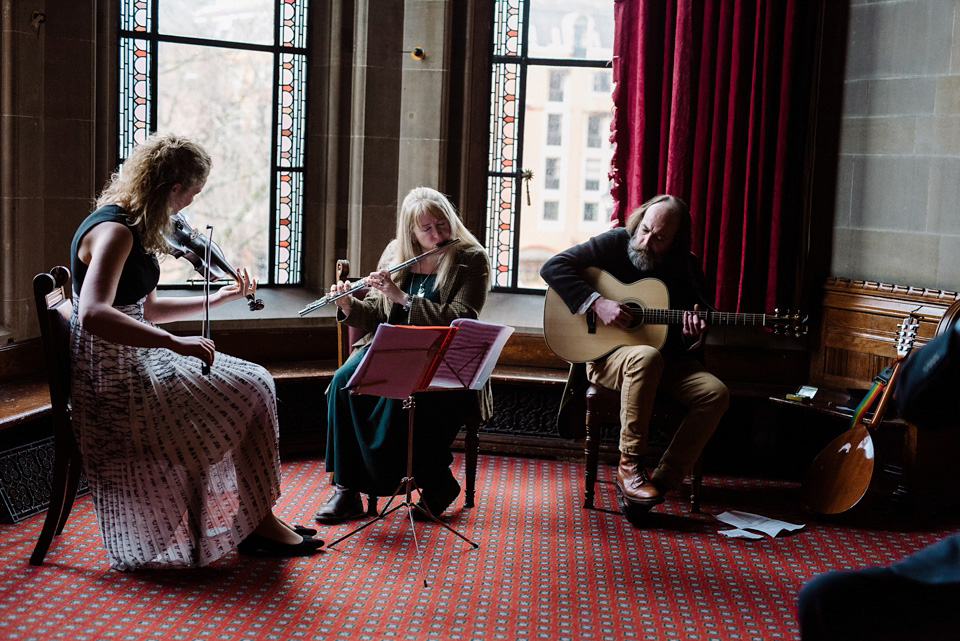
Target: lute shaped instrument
x=840 y=475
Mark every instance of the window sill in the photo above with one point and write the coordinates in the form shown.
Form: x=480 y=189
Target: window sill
x=523 y=312
x=281 y=309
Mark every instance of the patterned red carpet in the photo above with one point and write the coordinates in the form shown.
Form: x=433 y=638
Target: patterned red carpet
x=545 y=569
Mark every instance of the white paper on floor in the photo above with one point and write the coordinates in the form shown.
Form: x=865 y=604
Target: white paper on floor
x=744 y=521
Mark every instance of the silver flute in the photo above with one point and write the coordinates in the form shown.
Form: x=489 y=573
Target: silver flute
x=360 y=284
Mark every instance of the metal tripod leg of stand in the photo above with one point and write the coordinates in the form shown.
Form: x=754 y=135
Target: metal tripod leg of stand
x=407 y=485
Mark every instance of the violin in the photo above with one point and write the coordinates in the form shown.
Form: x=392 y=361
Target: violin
x=185 y=241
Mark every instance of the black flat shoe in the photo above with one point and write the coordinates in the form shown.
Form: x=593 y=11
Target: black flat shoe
x=258 y=545
x=304 y=531
x=344 y=505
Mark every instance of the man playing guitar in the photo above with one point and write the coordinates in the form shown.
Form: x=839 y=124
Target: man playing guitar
x=654 y=244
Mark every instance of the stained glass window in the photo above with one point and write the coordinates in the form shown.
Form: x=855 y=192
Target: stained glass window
x=233 y=76
x=550 y=73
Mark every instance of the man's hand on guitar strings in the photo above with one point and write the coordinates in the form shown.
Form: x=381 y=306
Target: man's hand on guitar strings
x=612 y=313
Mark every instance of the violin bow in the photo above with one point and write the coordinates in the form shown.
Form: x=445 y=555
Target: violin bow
x=205 y=329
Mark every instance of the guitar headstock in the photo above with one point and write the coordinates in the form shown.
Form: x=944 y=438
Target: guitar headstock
x=907 y=335
x=787 y=324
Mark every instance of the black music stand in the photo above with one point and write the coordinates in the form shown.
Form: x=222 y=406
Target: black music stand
x=403 y=361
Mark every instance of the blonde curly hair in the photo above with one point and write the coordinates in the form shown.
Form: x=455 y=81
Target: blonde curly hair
x=143 y=184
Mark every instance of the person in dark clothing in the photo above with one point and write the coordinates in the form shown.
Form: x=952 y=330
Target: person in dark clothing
x=655 y=243
x=367 y=435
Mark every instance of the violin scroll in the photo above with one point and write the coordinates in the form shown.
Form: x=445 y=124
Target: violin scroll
x=255 y=304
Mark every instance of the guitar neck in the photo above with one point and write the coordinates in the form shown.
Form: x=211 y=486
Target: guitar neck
x=675 y=317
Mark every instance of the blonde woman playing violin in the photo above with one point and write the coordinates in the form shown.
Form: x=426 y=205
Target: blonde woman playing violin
x=183 y=467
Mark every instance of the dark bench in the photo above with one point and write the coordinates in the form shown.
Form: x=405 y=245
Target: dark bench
x=24 y=395
x=526 y=368
x=26 y=450
x=23 y=400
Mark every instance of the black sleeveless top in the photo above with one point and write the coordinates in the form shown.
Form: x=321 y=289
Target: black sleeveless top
x=141 y=271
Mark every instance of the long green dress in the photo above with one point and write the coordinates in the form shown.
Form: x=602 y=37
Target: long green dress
x=367 y=435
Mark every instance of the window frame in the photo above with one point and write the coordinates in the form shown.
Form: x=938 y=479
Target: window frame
x=285 y=166
x=505 y=257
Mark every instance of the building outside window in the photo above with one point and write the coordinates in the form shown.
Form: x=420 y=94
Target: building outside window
x=556 y=86
x=536 y=42
x=231 y=74
x=551 y=178
x=554 y=130
x=591 y=173
x=590 y=212
x=593 y=131
x=551 y=211
x=602 y=82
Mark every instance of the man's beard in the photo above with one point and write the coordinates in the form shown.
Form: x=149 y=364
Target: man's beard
x=642 y=258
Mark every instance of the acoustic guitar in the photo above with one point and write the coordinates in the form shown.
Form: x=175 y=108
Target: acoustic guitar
x=580 y=338
x=840 y=475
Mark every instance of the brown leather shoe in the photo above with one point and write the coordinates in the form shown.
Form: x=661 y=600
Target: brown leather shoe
x=633 y=482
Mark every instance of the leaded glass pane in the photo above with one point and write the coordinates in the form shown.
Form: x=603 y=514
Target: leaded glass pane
x=223 y=98
x=291 y=116
x=507 y=28
x=501 y=193
x=288 y=232
x=135 y=93
x=293 y=29
x=577 y=129
x=248 y=21
x=291 y=110
x=136 y=15
x=503 y=118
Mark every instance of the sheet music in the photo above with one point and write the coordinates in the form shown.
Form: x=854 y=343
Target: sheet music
x=471 y=356
x=744 y=521
x=396 y=360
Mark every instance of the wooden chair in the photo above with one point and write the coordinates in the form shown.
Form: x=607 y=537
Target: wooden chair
x=603 y=407
x=54 y=306
x=346 y=337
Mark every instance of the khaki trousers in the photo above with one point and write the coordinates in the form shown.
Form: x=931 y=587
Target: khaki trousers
x=638 y=371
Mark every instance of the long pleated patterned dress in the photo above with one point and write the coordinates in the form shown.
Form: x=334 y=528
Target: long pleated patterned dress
x=182 y=466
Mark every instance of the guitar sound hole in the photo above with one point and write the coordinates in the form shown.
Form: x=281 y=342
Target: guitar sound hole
x=637 y=311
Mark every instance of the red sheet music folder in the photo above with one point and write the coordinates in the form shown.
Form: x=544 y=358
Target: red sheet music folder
x=405 y=359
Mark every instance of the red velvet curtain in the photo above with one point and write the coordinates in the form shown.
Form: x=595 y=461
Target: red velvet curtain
x=711 y=103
